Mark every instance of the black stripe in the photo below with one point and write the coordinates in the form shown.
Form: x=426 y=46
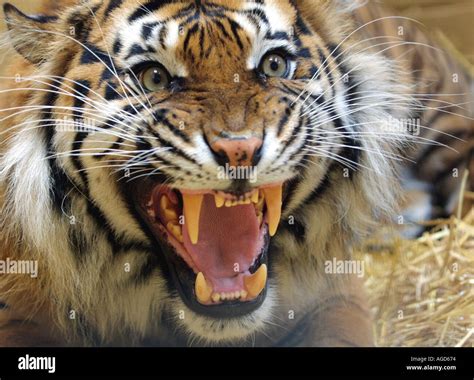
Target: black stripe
x=173 y=148
x=294 y=133
x=305 y=53
x=147 y=29
x=92 y=54
x=160 y=117
x=115 y=146
x=352 y=150
x=302 y=27
x=290 y=191
x=113 y=5
x=162 y=36
x=81 y=88
x=201 y=42
x=322 y=187
x=79 y=243
x=222 y=28
x=277 y=36
x=235 y=30
x=284 y=120
x=325 y=67
x=117 y=46
x=147 y=269
x=191 y=32
x=149 y=7
x=60 y=183
x=136 y=49
x=258 y=13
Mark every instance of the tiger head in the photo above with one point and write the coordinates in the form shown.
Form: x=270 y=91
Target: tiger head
x=179 y=149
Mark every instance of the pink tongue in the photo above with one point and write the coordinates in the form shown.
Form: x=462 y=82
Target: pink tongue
x=229 y=242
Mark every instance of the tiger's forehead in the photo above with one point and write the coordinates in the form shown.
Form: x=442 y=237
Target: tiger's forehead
x=183 y=34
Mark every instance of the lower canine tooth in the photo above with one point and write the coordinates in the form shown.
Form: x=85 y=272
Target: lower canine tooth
x=203 y=289
x=256 y=282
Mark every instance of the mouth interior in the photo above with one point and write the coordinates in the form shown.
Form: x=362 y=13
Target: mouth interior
x=221 y=237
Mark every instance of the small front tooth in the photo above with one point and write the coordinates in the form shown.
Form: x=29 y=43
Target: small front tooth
x=261 y=201
x=228 y=203
x=216 y=297
x=243 y=294
x=223 y=297
x=220 y=200
x=254 y=197
x=176 y=231
x=202 y=288
x=192 y=211
x=273 y=200
x=236 y=294
x=170 y=215
x=164 y=202
x=256 y=282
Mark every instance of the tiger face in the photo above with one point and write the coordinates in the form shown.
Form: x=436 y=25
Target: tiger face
x=182 y=136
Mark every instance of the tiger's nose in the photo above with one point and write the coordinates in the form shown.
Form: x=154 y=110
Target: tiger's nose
x=238 y=152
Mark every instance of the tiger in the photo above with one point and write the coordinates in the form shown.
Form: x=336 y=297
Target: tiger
x=184 y=172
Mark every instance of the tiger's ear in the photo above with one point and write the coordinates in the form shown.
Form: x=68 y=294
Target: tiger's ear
x=29 y=35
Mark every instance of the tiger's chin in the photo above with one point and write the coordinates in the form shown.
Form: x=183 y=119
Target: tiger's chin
x=209 y=331
x=215 y=248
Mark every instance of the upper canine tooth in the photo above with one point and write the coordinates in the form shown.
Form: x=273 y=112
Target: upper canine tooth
x=192 y=210
x=273 y=201
x=256 y=282
x=220 y=200
x=203 y=289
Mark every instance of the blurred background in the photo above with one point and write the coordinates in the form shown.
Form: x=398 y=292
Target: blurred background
x=452 y=20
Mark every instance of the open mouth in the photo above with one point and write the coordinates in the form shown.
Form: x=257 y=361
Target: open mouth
x=215 y=244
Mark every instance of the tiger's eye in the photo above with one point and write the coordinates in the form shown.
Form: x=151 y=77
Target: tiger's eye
x=154 y=78
x=274 y=65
